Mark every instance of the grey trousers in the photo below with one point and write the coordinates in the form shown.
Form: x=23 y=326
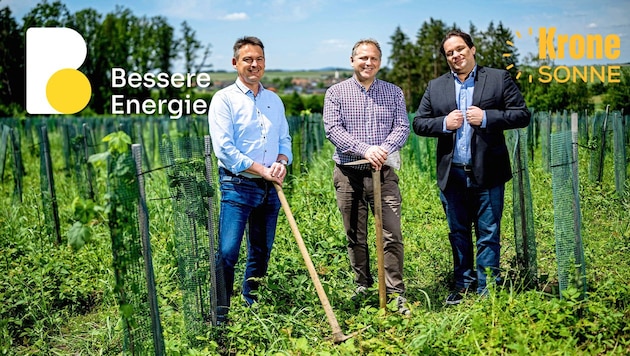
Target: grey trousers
x=355 y=197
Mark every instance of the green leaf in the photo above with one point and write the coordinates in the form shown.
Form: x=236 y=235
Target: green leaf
x=79 y=235
x=118 y=142
x=99 y=159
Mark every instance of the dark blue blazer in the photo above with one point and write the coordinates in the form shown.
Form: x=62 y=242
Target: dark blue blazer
x=497 y=94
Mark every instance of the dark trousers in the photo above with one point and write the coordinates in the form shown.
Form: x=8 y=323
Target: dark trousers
x=355 y=196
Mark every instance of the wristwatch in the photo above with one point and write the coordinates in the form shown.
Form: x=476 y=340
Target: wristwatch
x=283 y=162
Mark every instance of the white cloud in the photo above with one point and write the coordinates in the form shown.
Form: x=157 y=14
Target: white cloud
x=592 y=25
x=294 y=11
x=188 y=10
x=334 y=43
x=235 y=16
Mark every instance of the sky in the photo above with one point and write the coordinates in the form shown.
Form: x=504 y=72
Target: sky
x=316 y=34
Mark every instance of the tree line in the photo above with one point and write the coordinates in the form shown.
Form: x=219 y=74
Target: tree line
x=413 y=63
x=150 y=44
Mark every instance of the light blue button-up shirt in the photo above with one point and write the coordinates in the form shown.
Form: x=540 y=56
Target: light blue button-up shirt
x=462 y=153
x=245 y=128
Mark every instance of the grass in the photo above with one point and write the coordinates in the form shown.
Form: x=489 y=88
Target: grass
x=60 y=302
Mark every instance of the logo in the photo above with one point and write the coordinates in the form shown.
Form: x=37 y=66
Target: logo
x=53 y=83
x=552 y=46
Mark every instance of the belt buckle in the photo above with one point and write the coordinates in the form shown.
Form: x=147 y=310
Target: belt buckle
x=467 y=168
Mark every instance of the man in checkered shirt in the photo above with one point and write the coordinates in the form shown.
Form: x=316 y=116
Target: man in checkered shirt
x=366 y=118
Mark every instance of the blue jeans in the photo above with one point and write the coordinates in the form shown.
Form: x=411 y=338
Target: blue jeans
x=244 y=202
x=467 y=205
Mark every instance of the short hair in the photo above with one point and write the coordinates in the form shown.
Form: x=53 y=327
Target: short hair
x=247 y=40
x=456 y=33
x=366 y=41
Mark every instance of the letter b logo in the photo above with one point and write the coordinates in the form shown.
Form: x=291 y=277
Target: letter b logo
x=53 y=83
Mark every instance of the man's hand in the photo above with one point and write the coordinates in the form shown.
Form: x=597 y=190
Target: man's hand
x=474 y=116
x=376 y=155
x=276 y=173
x=454 y=120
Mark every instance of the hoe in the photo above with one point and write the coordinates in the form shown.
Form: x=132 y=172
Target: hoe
x=337 y=335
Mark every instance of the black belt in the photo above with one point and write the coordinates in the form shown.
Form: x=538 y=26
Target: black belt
x=465 y=167
x=229 y=173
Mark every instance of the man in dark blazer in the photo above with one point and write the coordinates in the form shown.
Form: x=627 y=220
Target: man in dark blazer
x=468 y=109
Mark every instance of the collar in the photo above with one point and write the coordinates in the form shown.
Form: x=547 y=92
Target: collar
x=472 y=74
x=242 y=87
x=374 y=83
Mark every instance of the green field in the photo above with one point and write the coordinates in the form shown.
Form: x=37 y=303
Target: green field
x=281 y=74
x=57 y=301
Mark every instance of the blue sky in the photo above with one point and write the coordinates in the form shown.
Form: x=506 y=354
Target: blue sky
x=313 y=34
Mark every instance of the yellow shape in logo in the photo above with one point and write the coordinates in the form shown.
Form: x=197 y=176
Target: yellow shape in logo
x=508 y=55
x=68 y=91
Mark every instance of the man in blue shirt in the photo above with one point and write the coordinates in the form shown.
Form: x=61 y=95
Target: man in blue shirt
x=250 y=138
x=468 y=109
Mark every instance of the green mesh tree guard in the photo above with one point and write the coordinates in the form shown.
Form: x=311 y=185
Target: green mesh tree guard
x=139 y=129
x=88 y=150
x=619 y=153
x=532 y=134
x=151 y=143
x=308 y=137
x=583 y=121
x=526 y=252
x=566 y=207
x=313 y=132
x=558 y=122
x=78 y=160
x=142 y=333
x=544 y=120
x=27 y=128
x=18 y=165
x=47 y=186
x=423 y=151
x=192 y=188
x=597 y=144
x=183 y=127
x=68 y=133
x=4 y=145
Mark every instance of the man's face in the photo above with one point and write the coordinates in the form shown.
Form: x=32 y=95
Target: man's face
x=250 y=64
x=460 y=58
x=366 y=62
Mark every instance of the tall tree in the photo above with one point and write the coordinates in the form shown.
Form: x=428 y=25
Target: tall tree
x=618 y=94
x=12 y=74
x=46 y=14
x=402 y=61
x=430 y=62
x=113 y=49
x=165 y=47
x=190 y=46
x=495 y=50
x=165 y=44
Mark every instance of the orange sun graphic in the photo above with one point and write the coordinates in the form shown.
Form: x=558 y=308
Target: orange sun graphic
x=510 y=66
